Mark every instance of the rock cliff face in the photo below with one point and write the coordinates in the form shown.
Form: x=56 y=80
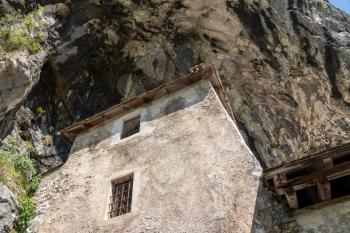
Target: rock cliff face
x=8 y=208
x=17 y=75
x=285 y=65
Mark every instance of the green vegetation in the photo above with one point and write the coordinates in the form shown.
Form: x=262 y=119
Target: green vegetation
x=19 y=32
x=20 y=163
x=19 y=172
x=275 y=146
x=26 y=212
x=33 y=185
x=30 y=82
x=9 y=176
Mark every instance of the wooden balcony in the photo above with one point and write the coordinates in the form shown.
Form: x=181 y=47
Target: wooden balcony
x=315 y=179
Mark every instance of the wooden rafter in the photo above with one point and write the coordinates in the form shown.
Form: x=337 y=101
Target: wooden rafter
x=334 y=152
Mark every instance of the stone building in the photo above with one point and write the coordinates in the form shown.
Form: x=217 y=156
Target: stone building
x=170 y=160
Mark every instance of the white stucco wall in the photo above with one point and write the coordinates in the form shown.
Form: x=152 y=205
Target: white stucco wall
x=193 y=172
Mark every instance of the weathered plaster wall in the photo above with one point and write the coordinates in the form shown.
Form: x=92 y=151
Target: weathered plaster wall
x=193 y=173
x=187 y=97
x=333 y=218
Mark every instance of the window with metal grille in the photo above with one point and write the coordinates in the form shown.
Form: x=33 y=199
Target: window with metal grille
x=120 y=201
x=131 y=127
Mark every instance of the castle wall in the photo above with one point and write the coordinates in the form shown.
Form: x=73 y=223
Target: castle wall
x=192 y=172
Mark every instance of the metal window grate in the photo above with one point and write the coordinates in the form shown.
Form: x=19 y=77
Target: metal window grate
x=120 y=201
x=131 y=127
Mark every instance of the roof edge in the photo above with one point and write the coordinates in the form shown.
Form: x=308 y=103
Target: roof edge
x=324 y=154
x=198 y=73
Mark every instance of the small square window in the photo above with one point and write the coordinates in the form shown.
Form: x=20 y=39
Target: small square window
x=131 y=127
x=121 y=198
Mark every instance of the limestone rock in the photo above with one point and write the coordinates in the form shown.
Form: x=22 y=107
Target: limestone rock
x=31 y=127
x=284 y=64
x=8 y=209
x=17 y=76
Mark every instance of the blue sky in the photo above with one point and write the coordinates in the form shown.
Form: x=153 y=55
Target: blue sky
x=342 y=4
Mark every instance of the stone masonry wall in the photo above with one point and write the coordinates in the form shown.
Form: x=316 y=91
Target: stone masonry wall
x=192 y=173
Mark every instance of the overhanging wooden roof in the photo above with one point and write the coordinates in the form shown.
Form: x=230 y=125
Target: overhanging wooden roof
x=197 y=73
x=300 y=163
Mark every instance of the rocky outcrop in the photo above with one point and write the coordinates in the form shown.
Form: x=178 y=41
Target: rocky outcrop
x=18 y=74
x=31 y=127
x=285 y=64
x=23 y=54
x=8 y=209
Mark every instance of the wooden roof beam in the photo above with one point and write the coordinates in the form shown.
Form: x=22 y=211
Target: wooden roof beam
x=278 y=180
x=200 y=73
x=330 y=153
x=334 y=172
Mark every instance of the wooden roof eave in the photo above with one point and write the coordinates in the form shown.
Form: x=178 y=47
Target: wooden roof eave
x=303 y=162
x=209 y=72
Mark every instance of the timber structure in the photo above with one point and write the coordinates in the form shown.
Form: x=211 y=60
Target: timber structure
x=315 y=179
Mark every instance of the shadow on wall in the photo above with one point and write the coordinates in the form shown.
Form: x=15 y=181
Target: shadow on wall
x=164 y=106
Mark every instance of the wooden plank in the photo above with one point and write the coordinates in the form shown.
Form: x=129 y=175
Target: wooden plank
x=278 y=180
x=305 y=185
x=338 y=171
x=109 y=115
x=77 y=128
x=334 y=152
x=268 y=174
x=148 y=99
x=292 y=198
x=187 y=82
x=219 y=89
x=328 y=162
x=330 y=173
x=177 y=86
x=126 y=108
x=324 y=189
x=97 y=120
x=166 y=90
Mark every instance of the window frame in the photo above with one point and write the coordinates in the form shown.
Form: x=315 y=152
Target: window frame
x=129 y=133
x=121 y=181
